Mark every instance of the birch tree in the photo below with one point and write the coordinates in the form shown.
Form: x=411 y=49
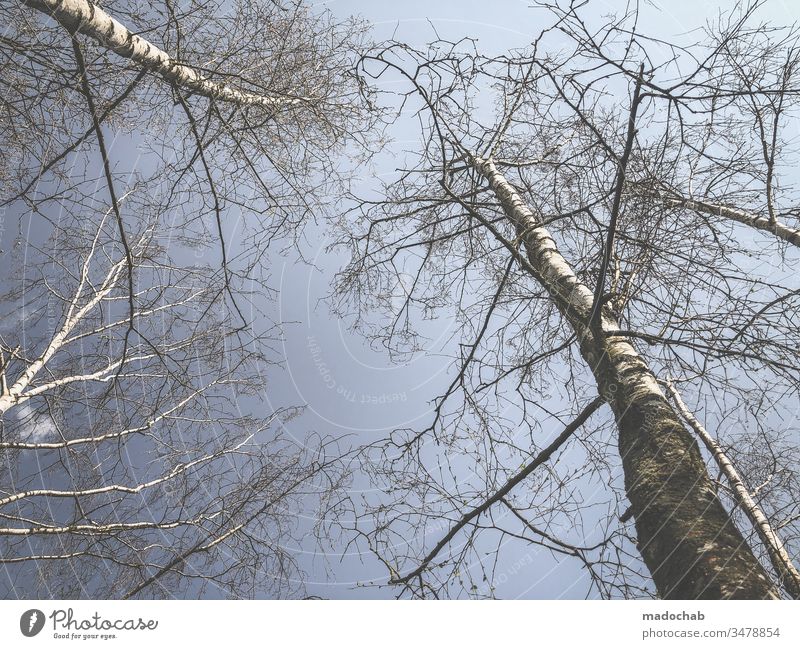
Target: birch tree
x=616 y=221
x=151 y=156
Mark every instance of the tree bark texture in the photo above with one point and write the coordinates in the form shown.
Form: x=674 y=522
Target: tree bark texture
x=686 y=538
x=82 y=16
x=779 y=557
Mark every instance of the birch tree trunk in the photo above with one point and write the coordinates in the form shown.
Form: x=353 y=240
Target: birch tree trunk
x=780 y=230
x=688 y=541
x=779 y=557
x=87 y=18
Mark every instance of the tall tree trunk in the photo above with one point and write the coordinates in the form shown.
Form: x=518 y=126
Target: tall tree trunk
x=689 y=543
x=85 y=17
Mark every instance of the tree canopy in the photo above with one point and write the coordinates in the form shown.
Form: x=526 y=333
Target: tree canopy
x=598 y=233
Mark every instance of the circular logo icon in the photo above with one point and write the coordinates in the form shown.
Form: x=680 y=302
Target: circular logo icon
x=31 y=622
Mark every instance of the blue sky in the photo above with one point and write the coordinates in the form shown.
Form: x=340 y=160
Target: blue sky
x=352 y=390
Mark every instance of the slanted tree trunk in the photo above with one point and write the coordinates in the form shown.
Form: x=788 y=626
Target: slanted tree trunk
x=87 y=18
x=689 y=543
x=779 y=557
x=763 y=223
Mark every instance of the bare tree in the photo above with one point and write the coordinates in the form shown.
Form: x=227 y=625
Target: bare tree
x=603 y=232
x=606 y=228
x=140 y=458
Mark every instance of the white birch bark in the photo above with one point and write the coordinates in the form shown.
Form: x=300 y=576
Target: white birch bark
x=87 y=18
x=780 y=230
x=686 y=537
x=13 y=394
x=778 y=555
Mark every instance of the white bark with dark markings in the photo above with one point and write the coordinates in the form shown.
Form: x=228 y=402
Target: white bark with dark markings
x=687 y=539
x=87 y=18
x=763 y=223
x=779 y=557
